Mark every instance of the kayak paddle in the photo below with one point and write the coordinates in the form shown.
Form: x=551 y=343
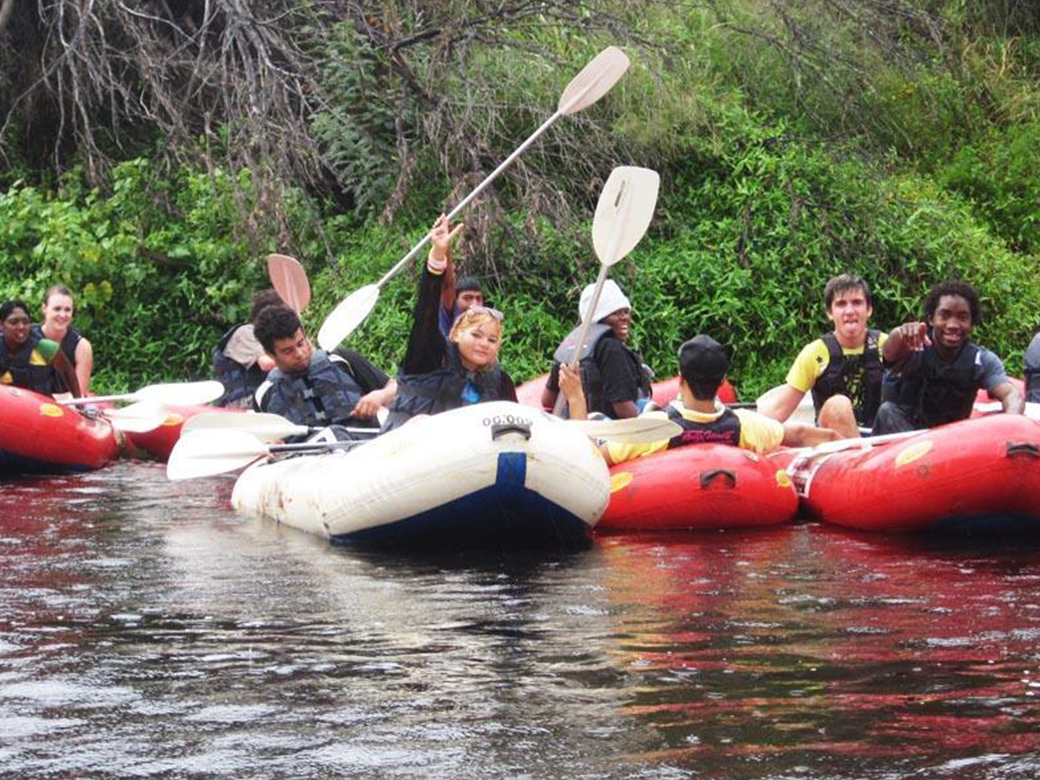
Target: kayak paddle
x=173 y=394
x=206 y=453
x=623 y=213
x=263 y=425
x=592 y=83
x=140 y=417
x=290 y=281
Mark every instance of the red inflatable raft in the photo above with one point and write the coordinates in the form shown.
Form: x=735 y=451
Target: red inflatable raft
x=530 y=392
x=699 y=486
x=159 y=442
x=38 y=436
x=981 y=474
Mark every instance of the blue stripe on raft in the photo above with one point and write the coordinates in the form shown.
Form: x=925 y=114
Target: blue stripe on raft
x=505 y=516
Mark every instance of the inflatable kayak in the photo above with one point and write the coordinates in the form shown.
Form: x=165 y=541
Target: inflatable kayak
x=160 y=441
x=495 y=474
x=699 y=486
x=39 y=436
x=980 y=474
x=665 y=391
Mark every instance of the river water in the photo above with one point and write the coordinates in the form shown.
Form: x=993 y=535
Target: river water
x=148 y=631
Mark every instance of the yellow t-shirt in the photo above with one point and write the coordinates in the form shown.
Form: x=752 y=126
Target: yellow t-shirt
x=813 y=360
x=35 y=359
x=758 y=433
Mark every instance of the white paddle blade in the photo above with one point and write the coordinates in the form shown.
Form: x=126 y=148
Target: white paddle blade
x=181 y=393
x=141 y=417
x=347 y=316
x=205 y=453
x=624 y=211
x=290 y=281
x=633 y=430
x=264 y=426
x=594 y=81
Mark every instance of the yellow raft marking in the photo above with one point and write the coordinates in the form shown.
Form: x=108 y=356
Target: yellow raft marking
x=173 y=419
x=620 y=481
x=783 y=479
x=913 y=452
x=51 y=410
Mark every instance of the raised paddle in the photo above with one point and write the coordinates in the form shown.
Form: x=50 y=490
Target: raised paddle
x=592 y=83
x=206 y=453
x=290 y=281
x=623 y=213
x=173 y=394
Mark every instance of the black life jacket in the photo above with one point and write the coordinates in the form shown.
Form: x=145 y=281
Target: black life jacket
x=325 y=394
x=939 y=391
x=724 y=430
x=39 y=379
x=591 y=378
x=239 y=382
x=68 y=343
x=440 y=390
x=856 y=376
x=68 y=346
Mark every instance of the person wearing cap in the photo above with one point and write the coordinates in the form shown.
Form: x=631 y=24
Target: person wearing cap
x=703 y=365
x=615 y=380
x=842 y=369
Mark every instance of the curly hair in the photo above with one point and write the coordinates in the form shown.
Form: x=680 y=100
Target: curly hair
x=960 y=289
x=273 y=323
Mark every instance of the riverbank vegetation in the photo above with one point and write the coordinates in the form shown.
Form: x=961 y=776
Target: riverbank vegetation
x=152 y=159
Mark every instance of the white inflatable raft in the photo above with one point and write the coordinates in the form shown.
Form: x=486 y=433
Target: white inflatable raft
x=496 y=474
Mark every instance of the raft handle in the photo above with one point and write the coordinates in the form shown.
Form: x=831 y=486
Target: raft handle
x=1023 y=448
x=499 y=430
x=708 y=476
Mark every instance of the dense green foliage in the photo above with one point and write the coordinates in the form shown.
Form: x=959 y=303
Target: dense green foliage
x=908 y=165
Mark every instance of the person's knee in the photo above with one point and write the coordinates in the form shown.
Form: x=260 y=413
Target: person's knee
x=838 y=414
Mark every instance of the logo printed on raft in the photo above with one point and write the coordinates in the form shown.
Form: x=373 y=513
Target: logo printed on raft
x=620 y=481
x=50 y=410
x=913 y=452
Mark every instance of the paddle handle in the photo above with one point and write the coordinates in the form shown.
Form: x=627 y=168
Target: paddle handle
x=474 y=194
x=93 y=399
x=318 y=445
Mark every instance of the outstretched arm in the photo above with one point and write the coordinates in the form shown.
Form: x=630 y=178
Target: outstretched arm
x=908 y=337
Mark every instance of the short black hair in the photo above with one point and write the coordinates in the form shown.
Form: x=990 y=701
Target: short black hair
x=961 y=289
x=262 y=300
x=12 y=304
x=843 y=282
x=467 y=283
x=273 y=323
x=703 y=363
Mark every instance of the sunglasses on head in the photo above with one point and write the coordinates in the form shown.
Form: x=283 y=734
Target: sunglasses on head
x=486 y=310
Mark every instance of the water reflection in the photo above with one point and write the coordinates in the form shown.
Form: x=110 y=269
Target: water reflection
x=826 y=651
x=146 y=630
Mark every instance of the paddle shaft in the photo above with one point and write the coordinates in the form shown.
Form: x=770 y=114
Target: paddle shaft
x=476 y=192
x=610 y=257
